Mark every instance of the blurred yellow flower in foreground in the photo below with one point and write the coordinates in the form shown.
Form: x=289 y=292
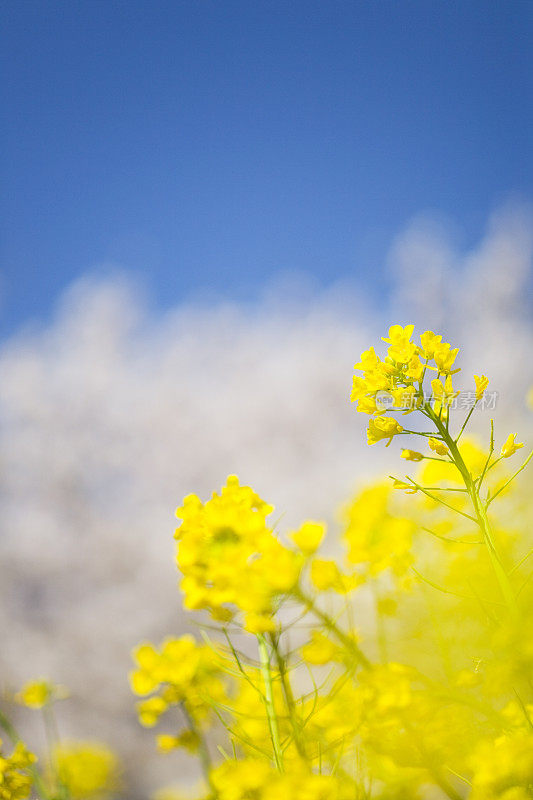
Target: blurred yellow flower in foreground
x=87 y=770
x=39 y=693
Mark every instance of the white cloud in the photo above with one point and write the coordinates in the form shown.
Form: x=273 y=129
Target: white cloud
x=109 y=415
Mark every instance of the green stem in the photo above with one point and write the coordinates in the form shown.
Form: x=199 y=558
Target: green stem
x=435 y=498
x=465 y=423
x=264 y=658
x=481 y=517
x=203 y=752
x=381 y=633
x=289 y=697
x=506 y=484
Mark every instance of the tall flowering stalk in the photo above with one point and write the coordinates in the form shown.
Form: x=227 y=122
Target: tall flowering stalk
x=399 y=379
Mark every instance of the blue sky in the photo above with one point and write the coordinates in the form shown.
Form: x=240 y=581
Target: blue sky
x=209 y=146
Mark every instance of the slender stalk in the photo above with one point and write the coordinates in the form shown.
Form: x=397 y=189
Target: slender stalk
x=289 y=697
x=481 y=516
x=435 y=498
x=522 y=560
x=465 y=423
x=381 y=633
x=486 y=466
x=52 y=739
x=203 y=752
x=506 y=484
x=264 y=658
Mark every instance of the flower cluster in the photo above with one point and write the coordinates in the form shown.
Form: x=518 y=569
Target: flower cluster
x=230 y=559
x=180 y=673
x=503 y=768
x=396 y=382
x=85 y=770
x=72 y=770
x=254 y=779
x=15 y=776
x=377 y=537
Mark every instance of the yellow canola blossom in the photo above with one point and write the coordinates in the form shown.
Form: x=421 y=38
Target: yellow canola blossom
x=511 y=446
x=503 y=768
x=308 y=537
x=443 y=395
x=412 y=455
x=444 y=358
x=40 y=693
x=178 y=673
x=377 y=537
x=326 y=576
x=431 y=342
x=438 y=447
x=320 y=649
x=254 y=779
x=482 y=383
x=86 y=770
x=383 y=428
x=15 y=780
x=400 y=377
x=230 y=558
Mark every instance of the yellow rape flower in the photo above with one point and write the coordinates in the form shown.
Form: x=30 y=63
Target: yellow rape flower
x=325 y=575
x=229 y=557
x=309 y=537
x=444 y=357
x=255 y=779
x=383 y=428
x=437 y=446
x=87 y=769
x=401 y=348
x=510 y=446
x=40 y=693
x=320 y=649
x=369 y=360
x=150 y=710
x=368 y=405
x=180 y=672
x=397 y=382
x=408 y=488
x=415 y=369
x=166 y=743
x=430 y=342
x=176 y=663
x=376 y=536
x=443 y=394
x=259 y=623
x=15 y=780
x=503 y=768
x=481 y=384
x=412 y=455
x=187 y=739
